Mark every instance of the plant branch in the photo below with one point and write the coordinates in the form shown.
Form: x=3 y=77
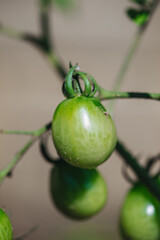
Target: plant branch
x=45 y=28
x=48 y=47
x=127 y=60
x=9 y=168
x=9 y=32
x=141 y=173
x=42 y=42
x=17 y=132
x=131 y=52
x=105 y=94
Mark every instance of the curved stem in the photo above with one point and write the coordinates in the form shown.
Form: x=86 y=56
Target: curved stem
x=105 y=94
x=44 y=149
x=140 y=172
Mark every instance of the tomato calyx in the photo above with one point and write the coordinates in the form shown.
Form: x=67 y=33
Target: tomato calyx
x=72 y=87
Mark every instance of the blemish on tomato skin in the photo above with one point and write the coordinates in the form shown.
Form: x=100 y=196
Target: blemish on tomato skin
x=106 y=113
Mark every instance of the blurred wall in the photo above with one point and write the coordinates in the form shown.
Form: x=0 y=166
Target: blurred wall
x=96 y=35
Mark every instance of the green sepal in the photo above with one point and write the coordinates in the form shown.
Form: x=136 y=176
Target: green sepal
x=67 y=88
x=140 y=17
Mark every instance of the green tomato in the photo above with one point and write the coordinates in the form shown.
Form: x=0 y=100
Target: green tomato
x=77 y=193
x=83 y=133
x=6 y=231
x=140 y=215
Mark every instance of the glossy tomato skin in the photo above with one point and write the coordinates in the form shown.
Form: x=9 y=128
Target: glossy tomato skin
x=140 y=215
x=6 y=230
x=83 y=133
x=77 y=193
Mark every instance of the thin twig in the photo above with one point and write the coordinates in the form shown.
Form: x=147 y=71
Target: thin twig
x=27 y=234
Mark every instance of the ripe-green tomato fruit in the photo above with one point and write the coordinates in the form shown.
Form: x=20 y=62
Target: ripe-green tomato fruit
x=77 y=193
x=140 y=215
x=6 y=230
x=83 y=133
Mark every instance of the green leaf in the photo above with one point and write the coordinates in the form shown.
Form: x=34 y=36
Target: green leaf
x=45 y=3
x=138 y=16
x=140 y=2
x=64 y=4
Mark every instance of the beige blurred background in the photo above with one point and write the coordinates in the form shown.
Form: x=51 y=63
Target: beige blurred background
x=96 y=35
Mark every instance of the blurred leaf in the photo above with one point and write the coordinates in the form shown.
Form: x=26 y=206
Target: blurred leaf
x=140 y=2
x=45 y=3
x=138 y=16
x=64 y=4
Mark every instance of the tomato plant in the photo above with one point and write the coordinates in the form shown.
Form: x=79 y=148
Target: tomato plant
x=6 y=230
x=140 y=215
x=83 y=132
x=77 y=193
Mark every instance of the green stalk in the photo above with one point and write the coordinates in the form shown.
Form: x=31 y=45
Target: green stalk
x=17 y=132
x=37 y=134
x=104 y=94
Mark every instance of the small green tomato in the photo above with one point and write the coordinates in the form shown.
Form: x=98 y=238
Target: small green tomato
x=6 y=230
x=140 y=215
x=83 y=132
x=77 y=193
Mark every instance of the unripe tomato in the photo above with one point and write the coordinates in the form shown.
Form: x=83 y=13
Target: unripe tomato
x=140 y=215
x=6 y=231
x=77 y=193
x=83 y=133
